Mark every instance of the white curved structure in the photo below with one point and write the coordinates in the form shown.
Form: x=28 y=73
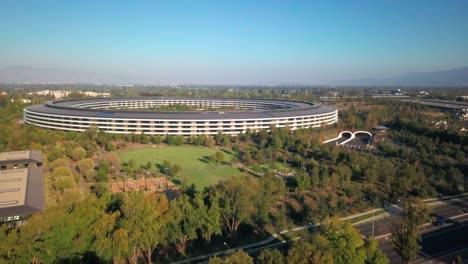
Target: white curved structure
x=351 y=138
x=125 y=115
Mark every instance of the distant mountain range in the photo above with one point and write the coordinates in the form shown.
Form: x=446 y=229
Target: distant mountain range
x=452 y=77
x=32 y=75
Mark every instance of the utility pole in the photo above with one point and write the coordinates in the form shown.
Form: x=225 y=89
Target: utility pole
x=373 y=215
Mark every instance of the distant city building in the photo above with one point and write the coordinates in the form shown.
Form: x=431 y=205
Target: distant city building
x=95 y=94
x=58 y=94
x=21 y=184
x=54 y=93
x=24 y=101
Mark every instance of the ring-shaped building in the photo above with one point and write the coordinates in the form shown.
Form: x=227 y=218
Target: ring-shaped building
x=210 y=116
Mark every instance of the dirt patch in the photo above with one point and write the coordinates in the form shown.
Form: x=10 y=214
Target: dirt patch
x=153 y=184
x=132 y=146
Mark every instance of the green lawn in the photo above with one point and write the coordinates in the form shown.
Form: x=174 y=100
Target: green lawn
x=209 y=177
x=196 y=168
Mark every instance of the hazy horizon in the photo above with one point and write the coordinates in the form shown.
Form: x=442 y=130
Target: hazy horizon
x=236 y=43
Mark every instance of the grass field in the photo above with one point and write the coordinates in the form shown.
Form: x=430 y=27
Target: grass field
x=196 y=167
x=203 y=179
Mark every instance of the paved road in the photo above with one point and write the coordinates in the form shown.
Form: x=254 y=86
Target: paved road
x=440 y=242
x=436 y=240
x=445 y=209
x=382 y=229
x=337 y=141
x=436 y=245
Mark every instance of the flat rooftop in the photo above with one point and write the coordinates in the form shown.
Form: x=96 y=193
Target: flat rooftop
x=20 y=157
x=67 y=108
x=21 y=192
x=21 y=189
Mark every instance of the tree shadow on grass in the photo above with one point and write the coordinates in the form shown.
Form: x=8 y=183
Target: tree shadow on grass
x=160 y=167
x=227 y=151
x=225 y=163
x=205 y=159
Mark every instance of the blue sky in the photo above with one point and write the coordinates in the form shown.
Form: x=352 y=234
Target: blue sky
x=242 y=42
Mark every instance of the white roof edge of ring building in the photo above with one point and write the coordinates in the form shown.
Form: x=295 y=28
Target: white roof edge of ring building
x=140 y=115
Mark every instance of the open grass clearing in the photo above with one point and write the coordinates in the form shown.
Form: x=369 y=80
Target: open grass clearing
x=196 y=166
x=209 y=177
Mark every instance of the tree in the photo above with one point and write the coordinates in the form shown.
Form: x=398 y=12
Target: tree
x=9 y=238
x=303 y=181
x=182 y=223
x=148 y=166
x=144 y=139
x=78 y=153
x=110 y=146
x=175 y=169
x=344 y=240
x=235 y=201
x=415 y=212
x=335 y=241
x=114 y=162
x=405 y=235
x=209 y=216
x=104 y=241
x=119 y=244
x=86 y=168
x=157 y=139
x=270 y=257
x=61 y=232
x=306 y=253
x=143 y=217
x=62 y=178
x=235 y=258
x=373 y=254
x=264 y=190
x=217 y=157
x=405 y=241
x=247 y=158
x=165 y=165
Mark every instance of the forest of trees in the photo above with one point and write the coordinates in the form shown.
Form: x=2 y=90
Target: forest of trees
x=85 y=222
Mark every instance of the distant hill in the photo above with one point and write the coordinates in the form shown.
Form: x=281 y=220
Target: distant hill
x=33 y=75
x=452 y=77
x=22 y=75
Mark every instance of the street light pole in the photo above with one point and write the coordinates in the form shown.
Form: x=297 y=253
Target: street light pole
x=146 y=175
x=226 y=245
x=123 y=179
x=373 y=215
x=167 y=176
